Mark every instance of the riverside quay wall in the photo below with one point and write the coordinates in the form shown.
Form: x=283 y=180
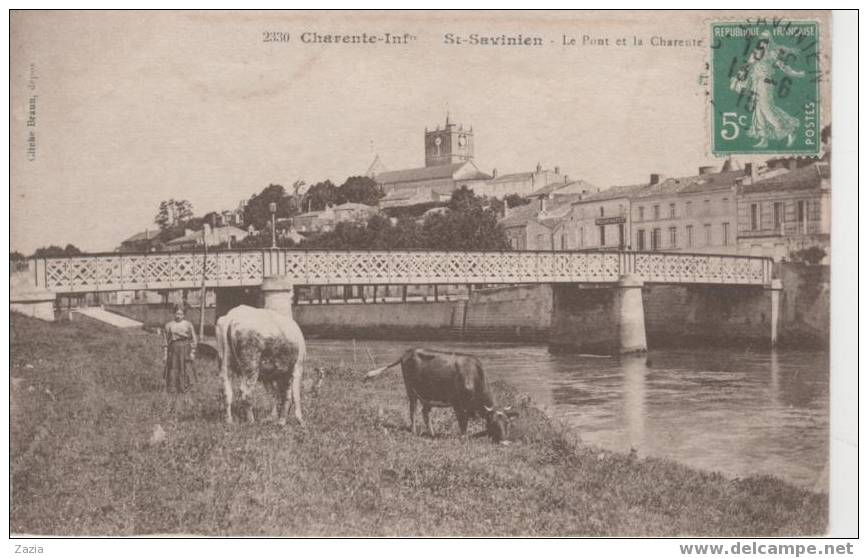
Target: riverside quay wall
x=584 y=317
x=521 y=313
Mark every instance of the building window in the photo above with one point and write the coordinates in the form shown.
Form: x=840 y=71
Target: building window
x=656 y=212
x=689 y=230
x=602 y=234
x=754 y=217
x=779 y=215
x=688 y=208
x=706 y=206
x=672 y=211
x=641 y=213
x=514 y=243
x=601 y=211
x=581 y=237
x=800 y=211
x=621 y=236
x=673 y=237
x=726 y=234
x=640 y=240
x=707 y=227
x=563 y=241
x=655 y=240
x=540 y=240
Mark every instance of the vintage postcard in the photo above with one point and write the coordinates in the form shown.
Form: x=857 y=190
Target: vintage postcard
x=423 y=273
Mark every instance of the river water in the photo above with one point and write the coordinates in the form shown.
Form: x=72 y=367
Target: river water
x=733 y=411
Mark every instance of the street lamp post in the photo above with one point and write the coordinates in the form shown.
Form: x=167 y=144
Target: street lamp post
x=272 y=207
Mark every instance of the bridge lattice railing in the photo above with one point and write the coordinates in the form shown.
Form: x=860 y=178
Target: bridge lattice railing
x=178 y=270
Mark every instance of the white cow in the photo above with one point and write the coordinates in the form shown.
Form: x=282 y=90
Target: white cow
x=259 y=344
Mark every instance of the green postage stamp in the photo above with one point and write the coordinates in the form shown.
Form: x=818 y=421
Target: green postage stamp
x=765 y=87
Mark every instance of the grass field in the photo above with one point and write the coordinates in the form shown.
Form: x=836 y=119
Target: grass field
x=87 y=398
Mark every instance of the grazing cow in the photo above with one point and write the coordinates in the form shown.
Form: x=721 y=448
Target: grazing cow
x=260 y=344
x=440 y=379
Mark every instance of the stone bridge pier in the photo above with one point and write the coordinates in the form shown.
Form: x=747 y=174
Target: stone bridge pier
x=275 y=293
x=599 y=318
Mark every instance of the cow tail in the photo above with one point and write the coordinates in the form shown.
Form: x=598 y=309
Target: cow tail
x=376 y=372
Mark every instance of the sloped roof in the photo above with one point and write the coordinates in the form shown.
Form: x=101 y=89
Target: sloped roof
x=554 y=214
x=519 y=215
x=353 y=206
x=436 y=172
x=376 y=167
x=144 y=235
x=564 y=188
x=512 y=177
x=803 y=178
x=612 y=193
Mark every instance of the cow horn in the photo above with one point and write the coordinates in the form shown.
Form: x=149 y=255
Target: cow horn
x=487 y=408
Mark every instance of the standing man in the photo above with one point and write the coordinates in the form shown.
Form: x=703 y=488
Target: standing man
x=179 y=346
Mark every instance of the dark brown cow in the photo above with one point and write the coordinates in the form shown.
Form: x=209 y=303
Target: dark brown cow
x=441 y=379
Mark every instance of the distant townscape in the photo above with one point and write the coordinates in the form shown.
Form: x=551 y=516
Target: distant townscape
x=778 y=209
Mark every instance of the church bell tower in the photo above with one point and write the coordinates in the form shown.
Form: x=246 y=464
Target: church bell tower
x=451 y=144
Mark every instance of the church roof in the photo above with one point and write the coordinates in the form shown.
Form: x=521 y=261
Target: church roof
x=376 y=168
x=436 y=172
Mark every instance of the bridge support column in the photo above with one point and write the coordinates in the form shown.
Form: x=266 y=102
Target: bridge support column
x=775 y=289
x=631 y=315
x=277 y=294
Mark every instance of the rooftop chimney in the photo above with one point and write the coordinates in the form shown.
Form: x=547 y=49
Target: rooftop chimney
x=494 y=173
x=749 y=172
x=566 y=179
x=557 y=170
x=656 y=178
x=542 y=204
x=539 y=167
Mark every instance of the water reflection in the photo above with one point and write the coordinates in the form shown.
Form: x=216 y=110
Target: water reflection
x=634 y=400
x=734 y=411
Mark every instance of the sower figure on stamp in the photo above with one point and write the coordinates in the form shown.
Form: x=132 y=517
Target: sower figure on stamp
x=769 y=122
x=179 y=346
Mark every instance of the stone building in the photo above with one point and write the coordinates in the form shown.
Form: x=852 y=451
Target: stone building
x=521 y=183
x=689 y=214
x=537 y=225
x=600 y=220
x=784 y=213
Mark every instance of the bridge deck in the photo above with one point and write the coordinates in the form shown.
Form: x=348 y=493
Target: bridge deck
x=176 y=270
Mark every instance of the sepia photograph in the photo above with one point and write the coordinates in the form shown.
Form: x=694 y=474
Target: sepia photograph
x=422 y=274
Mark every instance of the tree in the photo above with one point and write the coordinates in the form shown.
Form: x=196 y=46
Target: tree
x=811 y=256
x=360 y=189
x=256 y=211
x=54 y=251
x=320 y=195
x=515 y=200
x=296 y=199
x=173 y=212
x=17 y=261
x=469 y=225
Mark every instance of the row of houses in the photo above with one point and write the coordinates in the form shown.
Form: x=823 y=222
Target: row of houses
x=771 y=211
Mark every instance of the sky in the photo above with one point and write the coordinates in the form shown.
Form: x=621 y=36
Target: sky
x=137 y=107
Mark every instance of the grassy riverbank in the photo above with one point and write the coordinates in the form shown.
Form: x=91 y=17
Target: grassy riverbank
x=86 y=399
